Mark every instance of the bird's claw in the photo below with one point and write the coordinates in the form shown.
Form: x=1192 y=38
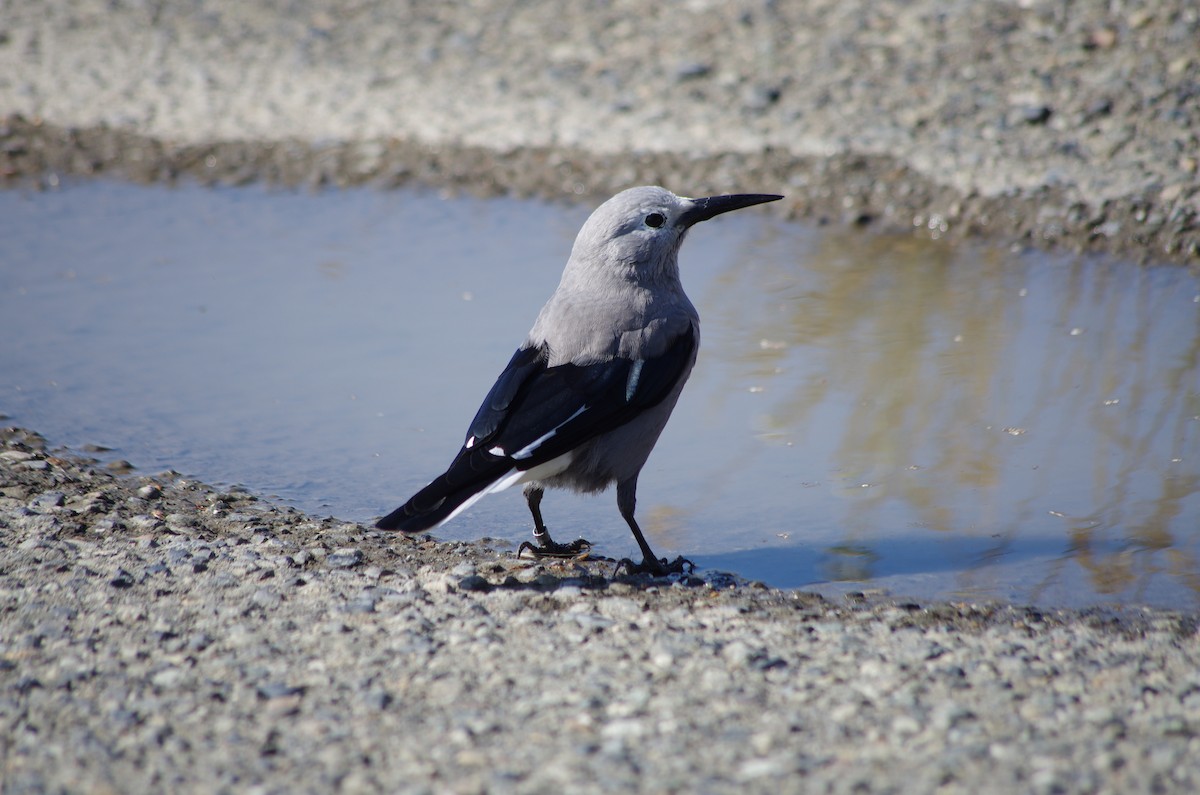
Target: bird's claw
x=655 y=568
x=545 y=548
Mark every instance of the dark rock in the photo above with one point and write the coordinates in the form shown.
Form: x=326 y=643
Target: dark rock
x=1036 y=114
x=474 y=582
x=123 y=579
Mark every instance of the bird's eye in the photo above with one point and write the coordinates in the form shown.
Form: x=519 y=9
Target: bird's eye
x=655 y=220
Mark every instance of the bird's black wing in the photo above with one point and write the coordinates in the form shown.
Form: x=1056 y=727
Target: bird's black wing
x=535 y=413
x=555 y=409
x=525 y=364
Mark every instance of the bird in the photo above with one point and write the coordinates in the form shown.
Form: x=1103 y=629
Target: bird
x=583 y=400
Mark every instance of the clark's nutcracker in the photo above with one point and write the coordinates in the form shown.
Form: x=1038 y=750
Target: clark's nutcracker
x=583 y=400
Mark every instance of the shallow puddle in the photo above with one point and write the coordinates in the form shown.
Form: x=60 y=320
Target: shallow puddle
x=867 y=412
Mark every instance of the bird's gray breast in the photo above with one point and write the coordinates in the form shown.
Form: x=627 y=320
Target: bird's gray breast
x=596 y=326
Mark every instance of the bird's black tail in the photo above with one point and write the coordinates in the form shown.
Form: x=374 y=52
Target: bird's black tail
x=469 y=477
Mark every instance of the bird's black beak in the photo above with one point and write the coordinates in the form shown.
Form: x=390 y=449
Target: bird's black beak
x=703 y=209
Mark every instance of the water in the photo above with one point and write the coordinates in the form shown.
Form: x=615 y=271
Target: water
x=867 y=412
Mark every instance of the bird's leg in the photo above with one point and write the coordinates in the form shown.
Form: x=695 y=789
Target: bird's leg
x=651 y=564
x=546 y=546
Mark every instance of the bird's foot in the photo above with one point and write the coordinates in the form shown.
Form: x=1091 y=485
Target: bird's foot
x=547 y=547
x=655 y=568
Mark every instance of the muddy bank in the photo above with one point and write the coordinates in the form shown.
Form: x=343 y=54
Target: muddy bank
x=160 y=634
x=1053 y=125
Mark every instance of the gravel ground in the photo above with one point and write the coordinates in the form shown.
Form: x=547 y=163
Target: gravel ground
x=159 y=635
x=1055 y=123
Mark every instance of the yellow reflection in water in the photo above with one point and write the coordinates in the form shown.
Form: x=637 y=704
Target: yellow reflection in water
x=979 y=393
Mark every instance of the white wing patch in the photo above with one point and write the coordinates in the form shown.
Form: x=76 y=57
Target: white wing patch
x=635 y=373
x=511 y=477
x=546 y=470
x=470 y=442
x=498 y=450
x=528 y=450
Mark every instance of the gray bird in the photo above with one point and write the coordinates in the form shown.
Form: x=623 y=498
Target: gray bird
x=583 y=400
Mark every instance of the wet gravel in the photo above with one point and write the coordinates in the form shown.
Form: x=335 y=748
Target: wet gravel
x=158 y=634
x=1046 y=123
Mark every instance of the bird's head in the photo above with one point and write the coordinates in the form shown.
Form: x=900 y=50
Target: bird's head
x=637 y=233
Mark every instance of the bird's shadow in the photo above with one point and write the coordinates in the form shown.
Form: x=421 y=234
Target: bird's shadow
x=804 y=566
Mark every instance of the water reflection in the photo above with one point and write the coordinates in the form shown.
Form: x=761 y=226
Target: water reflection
x=976 y=394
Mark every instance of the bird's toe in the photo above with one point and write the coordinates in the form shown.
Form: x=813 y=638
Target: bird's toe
x=546 y=548
x=656 y=568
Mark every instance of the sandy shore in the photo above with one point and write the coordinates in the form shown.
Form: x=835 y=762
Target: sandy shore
x=1053 y=125
x=157 y=634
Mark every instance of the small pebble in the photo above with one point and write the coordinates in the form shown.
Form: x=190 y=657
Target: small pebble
x=278 y=690
x=344 y=558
